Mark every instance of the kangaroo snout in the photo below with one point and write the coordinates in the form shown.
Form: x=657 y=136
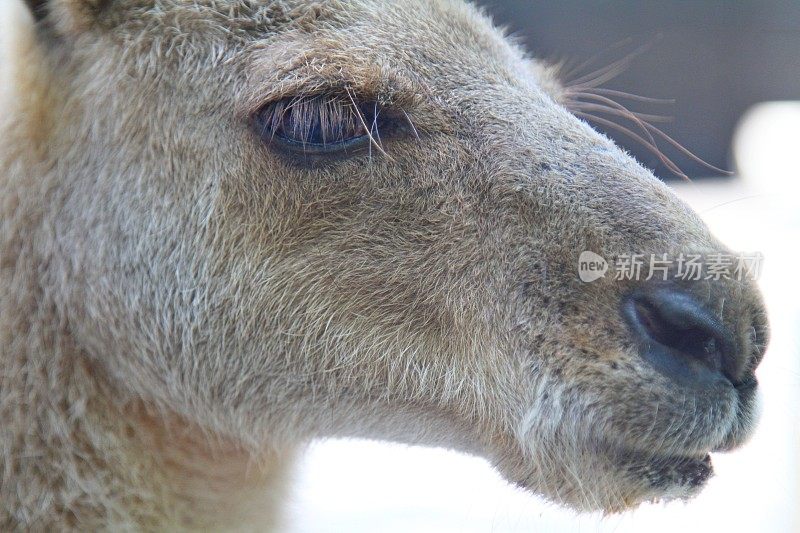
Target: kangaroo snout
x=685 y=339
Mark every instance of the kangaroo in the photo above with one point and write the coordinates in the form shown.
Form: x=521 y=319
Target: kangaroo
x=230 y=227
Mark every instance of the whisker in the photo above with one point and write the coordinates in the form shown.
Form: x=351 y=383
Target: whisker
x=587 y=78
x=374 y=125
x=577 y=68
x=625 y=112
x=630 y=96
x=603 y=75
x=635 y=136
x=576 y=95
x=742 y=199
x=616 y=105
x=360 y=115
x=612 y=70
x=411 y=123
x=685 y=151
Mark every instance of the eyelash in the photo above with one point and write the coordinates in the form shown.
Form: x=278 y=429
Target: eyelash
x=321 y=125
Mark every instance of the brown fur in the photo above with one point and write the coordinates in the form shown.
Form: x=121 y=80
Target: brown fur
x=182 y=308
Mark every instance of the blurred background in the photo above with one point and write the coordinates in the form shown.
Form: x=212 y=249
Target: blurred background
x=714 y=58
x=733 y=70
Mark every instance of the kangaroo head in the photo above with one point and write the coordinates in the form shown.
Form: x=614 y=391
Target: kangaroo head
x=288 y=220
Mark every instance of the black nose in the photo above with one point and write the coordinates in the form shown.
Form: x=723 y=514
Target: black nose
x=681 y=338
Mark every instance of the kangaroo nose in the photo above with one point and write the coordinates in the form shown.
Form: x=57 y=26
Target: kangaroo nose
x=681 y=338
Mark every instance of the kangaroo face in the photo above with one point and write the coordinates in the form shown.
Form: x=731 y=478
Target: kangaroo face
x=286 y=220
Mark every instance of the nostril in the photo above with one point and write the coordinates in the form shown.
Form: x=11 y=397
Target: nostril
x=680 y=332
x=675 y=325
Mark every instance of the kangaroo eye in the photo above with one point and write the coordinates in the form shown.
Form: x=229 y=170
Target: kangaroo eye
x=318 y=124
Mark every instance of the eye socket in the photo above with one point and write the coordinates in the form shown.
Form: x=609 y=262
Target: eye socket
x=319 y=125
